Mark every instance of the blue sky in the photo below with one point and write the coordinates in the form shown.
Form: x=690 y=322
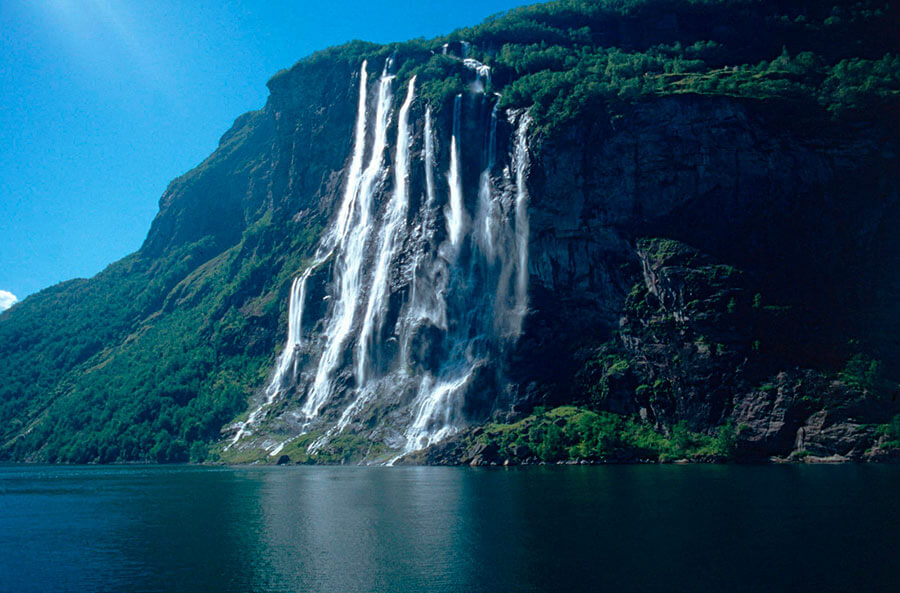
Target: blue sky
x=103 y=102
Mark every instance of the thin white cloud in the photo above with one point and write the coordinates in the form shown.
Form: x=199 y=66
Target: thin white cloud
x=7 y=300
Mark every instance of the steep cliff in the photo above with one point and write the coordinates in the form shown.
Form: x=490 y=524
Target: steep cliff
x=708 y=252
x=712 y=267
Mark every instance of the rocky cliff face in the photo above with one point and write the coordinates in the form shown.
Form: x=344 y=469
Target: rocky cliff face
x=705 y=242
x=401 y=323
x=286 y=157
x=693 y=256
x=715 y=249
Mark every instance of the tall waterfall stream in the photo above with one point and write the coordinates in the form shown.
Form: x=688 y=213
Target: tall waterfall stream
x=424 y=293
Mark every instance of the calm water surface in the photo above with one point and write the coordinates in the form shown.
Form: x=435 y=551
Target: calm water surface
x=628 y=528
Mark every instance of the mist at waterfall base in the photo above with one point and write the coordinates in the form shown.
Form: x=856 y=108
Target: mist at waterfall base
x=411 y=529
x=424 y=292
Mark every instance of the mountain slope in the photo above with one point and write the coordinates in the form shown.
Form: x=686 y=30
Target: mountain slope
x=713 y=193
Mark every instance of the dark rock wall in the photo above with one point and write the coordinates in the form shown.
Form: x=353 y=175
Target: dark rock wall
x=779 y=203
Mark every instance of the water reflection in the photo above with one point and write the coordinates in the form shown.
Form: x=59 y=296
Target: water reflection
x=337 y=529
x=718 y=528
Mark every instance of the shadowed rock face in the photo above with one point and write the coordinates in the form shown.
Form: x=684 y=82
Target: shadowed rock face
x=694 y=206
x=728 y=180
x=286 y=157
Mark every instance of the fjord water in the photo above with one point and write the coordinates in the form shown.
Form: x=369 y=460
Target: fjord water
x=623 y=528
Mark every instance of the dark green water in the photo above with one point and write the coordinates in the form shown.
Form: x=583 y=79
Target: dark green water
x=628 y=528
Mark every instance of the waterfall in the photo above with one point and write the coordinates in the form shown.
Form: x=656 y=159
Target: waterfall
x=354 y=175
x=509 y=226
x=437 y=408
x=388 y=244
x=419 y=322
x=287 y=360
x=520 y=165
x=429 y=272
x=482 y=71
x=482 y=74
x=349 y=264
x=285 y=364
x=437 y=411
x=487 y=216
x=428 y=157
x=456 y=211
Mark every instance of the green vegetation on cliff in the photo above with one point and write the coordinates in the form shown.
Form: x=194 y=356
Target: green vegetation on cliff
x=698 y=344
x=568 y=433
x=577 y=58
x=151 y=384
x=570 y=57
